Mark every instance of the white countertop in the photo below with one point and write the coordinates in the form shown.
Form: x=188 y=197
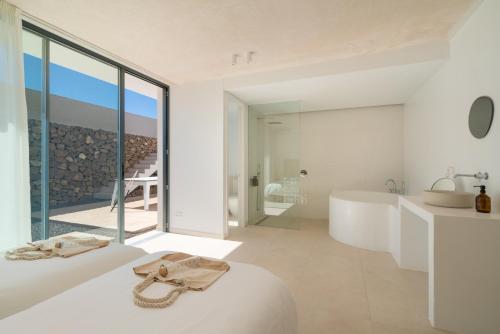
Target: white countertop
x=447 y=212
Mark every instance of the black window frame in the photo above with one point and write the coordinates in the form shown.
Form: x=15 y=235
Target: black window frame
x=122 y=70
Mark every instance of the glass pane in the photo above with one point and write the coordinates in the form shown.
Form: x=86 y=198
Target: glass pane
x=143 y=114
x=235 y=111
x=83 y=107
x=33 y=49
x=274 y=196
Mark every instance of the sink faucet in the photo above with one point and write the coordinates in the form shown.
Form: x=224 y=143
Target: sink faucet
x=393 y=188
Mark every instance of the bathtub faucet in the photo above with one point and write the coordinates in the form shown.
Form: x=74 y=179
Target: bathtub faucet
x=393 y=189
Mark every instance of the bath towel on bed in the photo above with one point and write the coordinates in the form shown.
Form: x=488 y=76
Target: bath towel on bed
x=185 y=271
x=65 y=246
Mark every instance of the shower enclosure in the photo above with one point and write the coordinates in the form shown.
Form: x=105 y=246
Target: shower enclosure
x=274 y=191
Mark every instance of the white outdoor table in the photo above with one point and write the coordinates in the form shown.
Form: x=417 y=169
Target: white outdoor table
x=146 y=183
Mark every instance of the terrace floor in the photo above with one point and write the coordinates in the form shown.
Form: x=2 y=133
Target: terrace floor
x=100 y=216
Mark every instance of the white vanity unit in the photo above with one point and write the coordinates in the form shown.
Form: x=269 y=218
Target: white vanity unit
x=460 y=249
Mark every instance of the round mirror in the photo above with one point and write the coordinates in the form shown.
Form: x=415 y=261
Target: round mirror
x=444 y=183
x=481 y=116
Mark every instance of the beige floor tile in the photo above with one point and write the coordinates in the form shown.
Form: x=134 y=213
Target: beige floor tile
x=380 y=328
x=337 y=288
x=324 y=321
x=381 y=259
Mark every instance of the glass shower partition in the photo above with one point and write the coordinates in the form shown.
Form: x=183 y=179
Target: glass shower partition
x=274 y=193
x=83 y=124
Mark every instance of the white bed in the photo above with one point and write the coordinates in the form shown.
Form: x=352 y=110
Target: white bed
x=245 y=300
x=26 y=283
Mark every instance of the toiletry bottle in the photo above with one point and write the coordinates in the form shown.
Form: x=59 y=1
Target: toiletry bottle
x=483 y=201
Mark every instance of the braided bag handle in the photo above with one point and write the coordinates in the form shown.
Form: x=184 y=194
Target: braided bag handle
x=161 y=302
x=29 y=253
x=39 y=251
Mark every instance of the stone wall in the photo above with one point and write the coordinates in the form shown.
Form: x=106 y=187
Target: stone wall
x=137 y=148
x=34 y=132
x=82 y=161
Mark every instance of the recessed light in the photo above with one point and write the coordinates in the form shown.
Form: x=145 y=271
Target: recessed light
x=235 y=59
x=250 y=55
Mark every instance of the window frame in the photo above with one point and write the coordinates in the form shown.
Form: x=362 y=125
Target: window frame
x=48 y=36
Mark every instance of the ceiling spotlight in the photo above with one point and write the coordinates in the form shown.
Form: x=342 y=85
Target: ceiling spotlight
x=235 y=58
x=250 y=55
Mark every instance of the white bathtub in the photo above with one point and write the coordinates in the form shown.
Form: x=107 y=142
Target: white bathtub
x=364 y=219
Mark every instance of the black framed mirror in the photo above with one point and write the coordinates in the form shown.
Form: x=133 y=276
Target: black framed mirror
x=481 y=116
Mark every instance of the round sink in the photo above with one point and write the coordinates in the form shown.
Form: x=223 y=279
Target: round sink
x=449 y=199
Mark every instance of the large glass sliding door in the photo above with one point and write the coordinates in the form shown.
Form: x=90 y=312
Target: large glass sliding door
x=92 y=125
x=143 y=144
x=33 y=70
x=83 y=115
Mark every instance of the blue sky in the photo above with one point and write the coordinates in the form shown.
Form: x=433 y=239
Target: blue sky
x=78 y=86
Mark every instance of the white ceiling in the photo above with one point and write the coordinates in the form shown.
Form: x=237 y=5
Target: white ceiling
x=192 y=40
x=381 y=86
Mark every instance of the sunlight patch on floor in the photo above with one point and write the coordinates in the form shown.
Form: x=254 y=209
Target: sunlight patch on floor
x=157 y=241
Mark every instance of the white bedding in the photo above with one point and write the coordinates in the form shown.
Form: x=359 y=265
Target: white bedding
x=245 y=300
x=26 y=283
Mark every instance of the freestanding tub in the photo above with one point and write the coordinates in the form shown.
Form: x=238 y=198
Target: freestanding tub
x=364 y=219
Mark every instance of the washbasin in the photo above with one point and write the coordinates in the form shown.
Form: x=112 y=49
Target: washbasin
x=449 y=199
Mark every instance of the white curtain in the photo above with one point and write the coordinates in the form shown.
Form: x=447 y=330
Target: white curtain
x=15 y=211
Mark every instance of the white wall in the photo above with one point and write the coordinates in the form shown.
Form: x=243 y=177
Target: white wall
x=142 y=126
x=76 y=113
x=436 y=116
x=348 y=149
x=197 y=181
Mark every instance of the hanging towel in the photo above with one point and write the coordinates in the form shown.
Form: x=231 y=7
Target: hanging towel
x=184 y=271
x=65 y=246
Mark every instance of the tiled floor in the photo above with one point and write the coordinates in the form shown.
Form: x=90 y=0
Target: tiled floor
x=337 y=288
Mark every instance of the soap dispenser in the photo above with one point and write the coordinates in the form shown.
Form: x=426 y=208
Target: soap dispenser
x=483 y=201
